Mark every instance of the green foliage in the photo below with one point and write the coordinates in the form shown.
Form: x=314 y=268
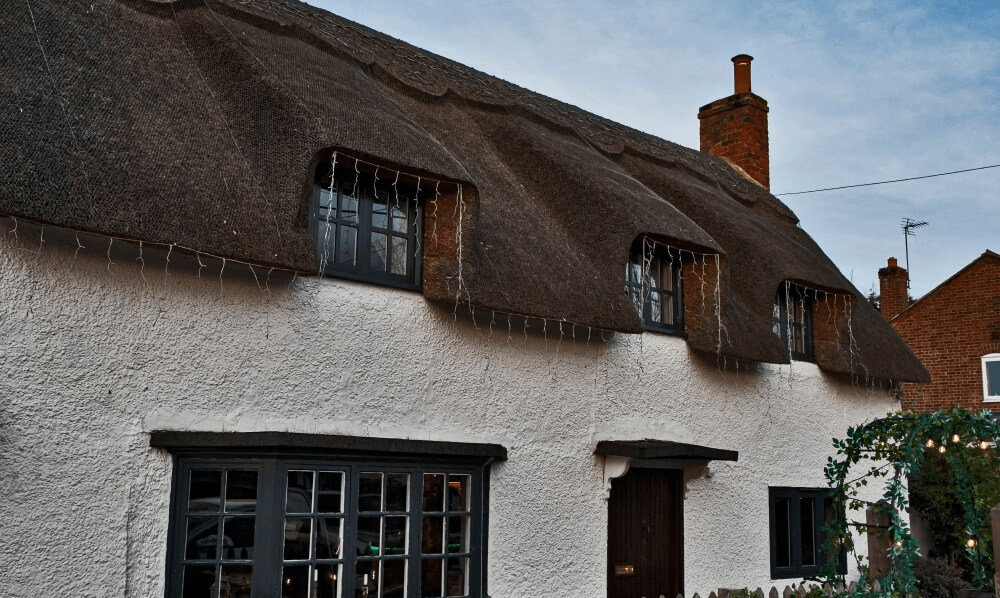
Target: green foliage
x=934 y=494
x=892 y=448
x=939 y=578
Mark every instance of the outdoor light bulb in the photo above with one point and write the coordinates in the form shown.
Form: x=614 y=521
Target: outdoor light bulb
x=941 y=449
x=899 y=544
x=984 y=445
x=955 y=438
x=930 y=443
x=971 y=543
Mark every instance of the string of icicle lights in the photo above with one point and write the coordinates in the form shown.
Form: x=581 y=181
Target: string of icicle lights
x=462 y=298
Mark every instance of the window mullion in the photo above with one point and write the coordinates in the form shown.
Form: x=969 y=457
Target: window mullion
x=363 y=245
x=349 y=550
x=415 y=537
x=795 y=530
x=270 y=540
x=819 y=521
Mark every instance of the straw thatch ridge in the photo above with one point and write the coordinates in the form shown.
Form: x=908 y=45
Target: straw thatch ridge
x=197 y=122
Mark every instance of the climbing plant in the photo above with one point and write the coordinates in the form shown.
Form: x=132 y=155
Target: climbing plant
x=892 y=448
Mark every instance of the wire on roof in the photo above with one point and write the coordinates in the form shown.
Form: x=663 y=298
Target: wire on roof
x=912 y=178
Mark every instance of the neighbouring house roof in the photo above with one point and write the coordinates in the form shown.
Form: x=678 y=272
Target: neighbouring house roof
x=915 y=306
x=200 y=122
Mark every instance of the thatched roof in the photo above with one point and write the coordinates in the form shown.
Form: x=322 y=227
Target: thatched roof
x=199 y=122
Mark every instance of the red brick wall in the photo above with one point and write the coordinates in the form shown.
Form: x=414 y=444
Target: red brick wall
x=949 y=330
x=735 y=128
x=893 y=295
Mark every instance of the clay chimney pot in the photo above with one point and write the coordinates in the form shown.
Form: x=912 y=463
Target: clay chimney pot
x=741 y=72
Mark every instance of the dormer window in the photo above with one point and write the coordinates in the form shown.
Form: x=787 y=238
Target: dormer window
x=653 y=282
x=365 y=227
x=792 y=320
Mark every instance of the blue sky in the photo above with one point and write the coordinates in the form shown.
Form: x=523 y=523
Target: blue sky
x=859 y=91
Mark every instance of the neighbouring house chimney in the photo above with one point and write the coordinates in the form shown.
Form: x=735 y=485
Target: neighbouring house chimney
x=893 y=296
x=735 y=128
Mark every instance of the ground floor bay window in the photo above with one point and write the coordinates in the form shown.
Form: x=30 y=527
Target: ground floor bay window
x=335 y=525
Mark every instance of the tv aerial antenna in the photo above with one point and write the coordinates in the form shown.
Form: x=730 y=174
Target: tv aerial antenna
x=909 y=226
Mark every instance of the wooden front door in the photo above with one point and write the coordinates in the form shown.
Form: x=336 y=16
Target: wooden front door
x=645 y=534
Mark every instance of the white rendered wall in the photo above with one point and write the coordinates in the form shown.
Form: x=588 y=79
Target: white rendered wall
x=93 y=360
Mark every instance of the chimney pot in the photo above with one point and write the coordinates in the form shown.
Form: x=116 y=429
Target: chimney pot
x=741 y=72
x=893 y=263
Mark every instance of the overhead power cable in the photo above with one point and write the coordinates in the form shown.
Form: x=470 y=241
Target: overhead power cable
x=912 y=178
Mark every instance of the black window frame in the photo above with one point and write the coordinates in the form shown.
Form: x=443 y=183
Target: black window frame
x=364 y=186
x=804 y=299
x=796 y=568
x=270 y=513
x=644 y=255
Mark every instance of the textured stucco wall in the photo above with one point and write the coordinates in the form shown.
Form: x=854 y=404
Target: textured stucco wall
x=96 y=355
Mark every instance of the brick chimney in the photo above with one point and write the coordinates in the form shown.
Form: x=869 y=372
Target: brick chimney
x=893 y=297
x=735 y=128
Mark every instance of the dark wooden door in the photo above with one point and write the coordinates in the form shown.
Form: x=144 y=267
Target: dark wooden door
x=645 y=534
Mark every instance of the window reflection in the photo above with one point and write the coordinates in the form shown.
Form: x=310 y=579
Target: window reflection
x=652 y=283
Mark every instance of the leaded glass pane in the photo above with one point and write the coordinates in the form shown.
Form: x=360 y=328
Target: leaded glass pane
x=655 y=273
x=348 y=208
x=236 y=581
x=199 y=581
x=655 y=309
x=206 y=489
x=348 y=246
x=458 y=534
x=807 y=515
x=380 y=215
x=782 y=532
x=329 y=534
x=397 y=491
x=238 y=538
x=325 y=204
x=366 y=579
x=295 y=581
x=393 y=579
x=458 y=577
x=458 y=492
x=399 y=255
x=433 y=492
x=298 y=535
x=300 y=492
x=370 y=491
x=431 y=578
x=433 y=535
x=327 y=581
x=369 y=536
x=202 y=538
x=395 y=535
x=329 y=494
x=399 y=219
x=241 y=491
x=379 y=251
